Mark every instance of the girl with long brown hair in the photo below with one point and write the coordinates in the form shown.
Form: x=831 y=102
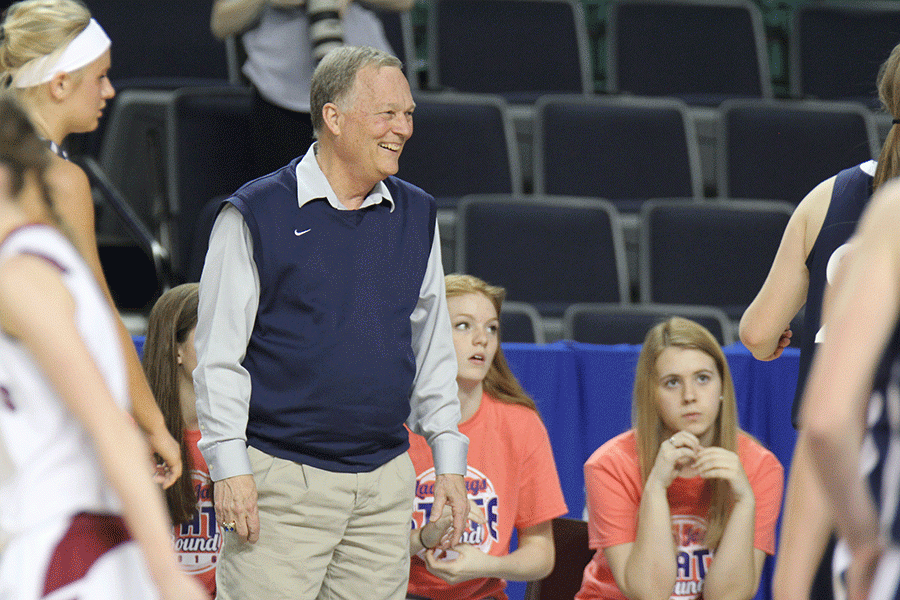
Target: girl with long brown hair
x=169 y=361
x=684 y=505
x=814 y=242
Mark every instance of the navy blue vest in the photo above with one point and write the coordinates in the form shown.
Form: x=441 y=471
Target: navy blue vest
x=852 y=190
x=330 y=355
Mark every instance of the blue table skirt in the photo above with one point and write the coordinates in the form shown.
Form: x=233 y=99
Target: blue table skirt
x=584 y=391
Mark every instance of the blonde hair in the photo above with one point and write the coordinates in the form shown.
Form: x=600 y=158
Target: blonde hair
x=499 y=382
x=35 y=28
x=889 y=94
x=171 y=320
x=648 y=425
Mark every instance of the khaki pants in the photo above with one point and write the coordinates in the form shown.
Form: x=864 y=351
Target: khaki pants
x=323 y=535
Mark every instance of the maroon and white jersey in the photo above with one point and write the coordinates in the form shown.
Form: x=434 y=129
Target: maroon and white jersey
x=59 y=516
x=54 y=469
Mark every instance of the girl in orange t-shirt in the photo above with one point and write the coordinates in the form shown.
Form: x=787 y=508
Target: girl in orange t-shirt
x=684 y=505
x=511 y=480
x=169 y=361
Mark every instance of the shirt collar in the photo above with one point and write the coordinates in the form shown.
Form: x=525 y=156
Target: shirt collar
x=312 y=185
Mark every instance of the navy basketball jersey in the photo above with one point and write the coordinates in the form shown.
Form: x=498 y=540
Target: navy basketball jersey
x=852 y=190
x=880 y=459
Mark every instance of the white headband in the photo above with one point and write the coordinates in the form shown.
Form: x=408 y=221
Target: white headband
x=83 y=50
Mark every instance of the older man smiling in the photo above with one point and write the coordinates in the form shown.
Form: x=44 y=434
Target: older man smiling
x=323 y=327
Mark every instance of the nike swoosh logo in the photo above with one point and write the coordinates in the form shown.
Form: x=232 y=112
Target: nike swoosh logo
x=299 y=233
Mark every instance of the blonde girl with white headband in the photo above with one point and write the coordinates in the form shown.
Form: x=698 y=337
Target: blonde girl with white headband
x=55 y=59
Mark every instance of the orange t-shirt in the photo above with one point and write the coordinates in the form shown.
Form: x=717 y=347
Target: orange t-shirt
x=613 y=478
x=199 y=542
x=511 y=475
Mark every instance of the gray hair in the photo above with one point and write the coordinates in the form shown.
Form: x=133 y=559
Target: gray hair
x=333 y=79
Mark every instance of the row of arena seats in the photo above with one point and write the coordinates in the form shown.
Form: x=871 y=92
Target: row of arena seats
x=703 y=51
x=608 y=324
x=555 y=252
x=169 y=174
x=628 y=149
x=170 y=158
x=173 y=139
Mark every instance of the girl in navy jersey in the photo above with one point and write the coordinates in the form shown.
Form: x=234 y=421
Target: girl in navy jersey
x=78 y=510
x=815 y=240
x=54 y=58
x=851 y=404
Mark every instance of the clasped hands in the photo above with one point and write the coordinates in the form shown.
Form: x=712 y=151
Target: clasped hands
x=435 y=535
x=682 y=455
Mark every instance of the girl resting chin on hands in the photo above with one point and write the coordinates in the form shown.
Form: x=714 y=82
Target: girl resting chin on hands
x=684 y=505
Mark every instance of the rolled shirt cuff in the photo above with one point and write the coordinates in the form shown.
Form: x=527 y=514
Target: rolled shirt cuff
x=228 y=459
x=449 y=451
